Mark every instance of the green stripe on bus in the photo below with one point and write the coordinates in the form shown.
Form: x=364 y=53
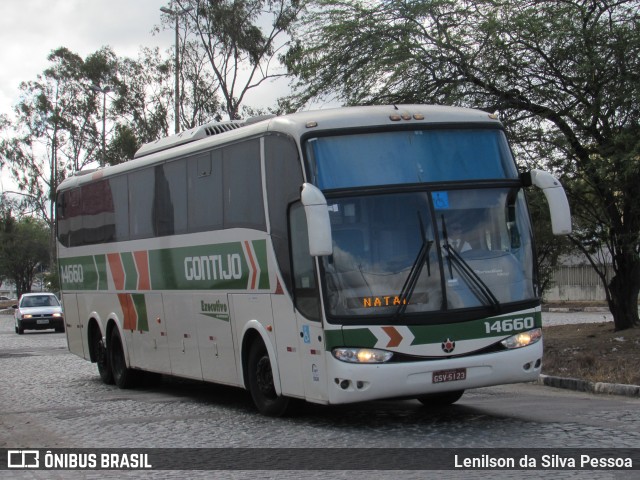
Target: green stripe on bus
x=483 y=328
x=260 y=247
x=333 y=338
x=435 y=334
x=101 y=264
x=359 y=337
x=202 y=267
x=141 y=309
x=130 y=271
x=81 y=273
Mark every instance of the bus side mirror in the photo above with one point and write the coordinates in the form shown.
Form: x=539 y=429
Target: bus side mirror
x=557 y=200
x=318 y=223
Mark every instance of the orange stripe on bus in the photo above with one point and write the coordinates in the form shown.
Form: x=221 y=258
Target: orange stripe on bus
x=130 y=315
x=142 y=264
x=117 y=270
x=254 y=274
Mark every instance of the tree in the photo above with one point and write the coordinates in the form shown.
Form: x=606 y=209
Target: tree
x=142 y=103
x=54 y=132
x=240 y=40
x=24 y=250
x=565 y=75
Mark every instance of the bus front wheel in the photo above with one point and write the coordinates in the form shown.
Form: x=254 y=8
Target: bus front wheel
x=440 y=399
x=261 y=384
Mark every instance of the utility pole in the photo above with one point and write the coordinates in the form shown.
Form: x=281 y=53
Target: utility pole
x=177 y=14
x=104 y=90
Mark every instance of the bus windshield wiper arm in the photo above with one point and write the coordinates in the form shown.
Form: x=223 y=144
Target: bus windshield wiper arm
x=477 y=286
x=480 y=289
x=414 y=274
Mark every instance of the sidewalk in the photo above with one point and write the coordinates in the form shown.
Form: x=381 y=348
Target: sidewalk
x=591 y=308
x=590 y=387
x=565 y=307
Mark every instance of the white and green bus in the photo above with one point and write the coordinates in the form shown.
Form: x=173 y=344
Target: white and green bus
x=333 y=256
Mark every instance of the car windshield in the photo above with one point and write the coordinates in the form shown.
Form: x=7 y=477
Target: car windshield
x=424 y=252
x=39 y=301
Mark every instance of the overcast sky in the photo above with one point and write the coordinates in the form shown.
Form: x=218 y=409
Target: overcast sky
x=31 y=29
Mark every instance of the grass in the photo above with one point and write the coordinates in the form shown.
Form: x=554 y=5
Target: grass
x=592 y=352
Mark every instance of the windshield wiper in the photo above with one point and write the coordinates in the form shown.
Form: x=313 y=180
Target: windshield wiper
x=477 y=286
x=414 y=274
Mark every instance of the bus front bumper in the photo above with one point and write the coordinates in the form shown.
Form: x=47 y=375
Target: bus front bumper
x=350 y=382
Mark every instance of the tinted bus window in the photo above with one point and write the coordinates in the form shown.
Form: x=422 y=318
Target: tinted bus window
x=141 y=188
x=243 y=205
x=204 y=175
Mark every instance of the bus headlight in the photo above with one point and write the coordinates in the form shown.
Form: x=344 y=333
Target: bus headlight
x=523 y=339
x=362 y=355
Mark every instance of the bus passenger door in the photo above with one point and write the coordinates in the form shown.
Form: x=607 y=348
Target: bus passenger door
x=215 y=339
x=150 y=345
x=312 y=359
x=284 y=320
x=73 y=324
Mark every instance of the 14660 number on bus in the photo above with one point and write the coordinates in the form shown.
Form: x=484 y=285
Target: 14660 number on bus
x=509 y=325
x=72 y=274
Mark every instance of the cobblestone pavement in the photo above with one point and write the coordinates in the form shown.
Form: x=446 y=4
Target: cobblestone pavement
x=52 y=399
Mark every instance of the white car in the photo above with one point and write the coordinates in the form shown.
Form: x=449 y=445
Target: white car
x=38 y=311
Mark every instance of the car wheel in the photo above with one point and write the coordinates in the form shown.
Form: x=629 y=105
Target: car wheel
x=123 y=377
x=19 y=328
x=261 y=384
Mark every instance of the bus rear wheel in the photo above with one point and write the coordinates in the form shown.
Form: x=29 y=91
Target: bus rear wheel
x=102 y=357
x=440 y=399
x=261 y=383
x=123 y=377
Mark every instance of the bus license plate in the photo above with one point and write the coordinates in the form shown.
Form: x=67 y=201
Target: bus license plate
x=450 y=375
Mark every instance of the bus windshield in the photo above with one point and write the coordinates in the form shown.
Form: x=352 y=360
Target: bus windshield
x=428 y=251
x=406 y=157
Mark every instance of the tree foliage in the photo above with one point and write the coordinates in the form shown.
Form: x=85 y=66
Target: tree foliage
x=24 y=250
x=240 y=40
x=564 y=75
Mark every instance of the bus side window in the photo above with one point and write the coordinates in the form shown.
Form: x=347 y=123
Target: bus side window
x=242 y=180
x=63 y=223
x=305 y=288
x=141 y=188
x=204 y=191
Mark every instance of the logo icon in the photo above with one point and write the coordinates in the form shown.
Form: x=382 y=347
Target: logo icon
x=23 y=459
x=448 y=346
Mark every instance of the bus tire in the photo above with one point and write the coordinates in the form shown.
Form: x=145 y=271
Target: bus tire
x=102 y=357
x=440 y=399
x=123 y=377
x=261 y=384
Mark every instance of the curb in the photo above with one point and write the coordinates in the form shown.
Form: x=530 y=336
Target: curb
x=575 y=309
x=590 y=387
